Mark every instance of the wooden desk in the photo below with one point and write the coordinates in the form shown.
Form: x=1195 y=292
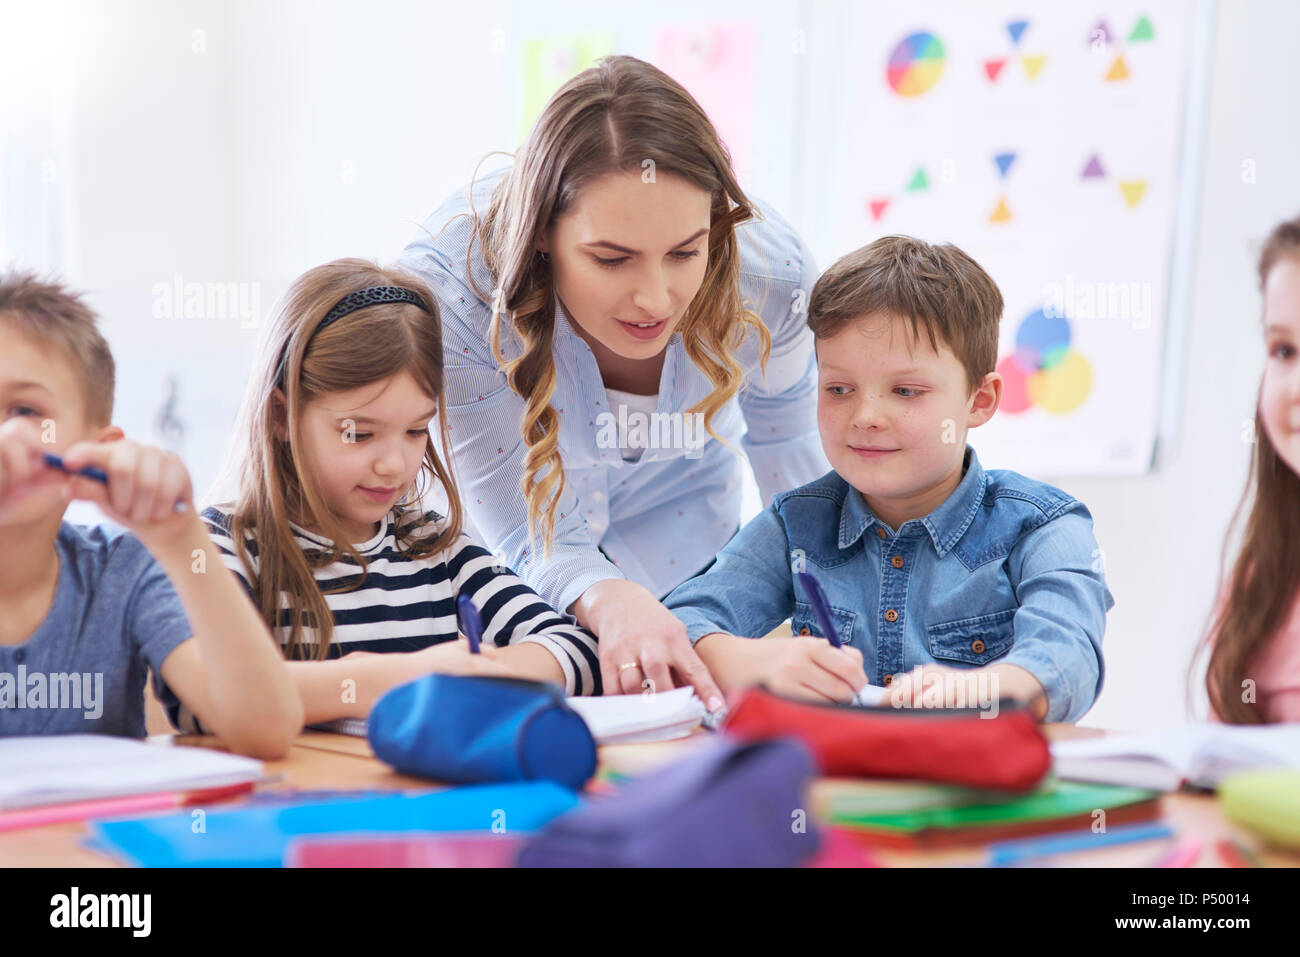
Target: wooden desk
x=333 y=761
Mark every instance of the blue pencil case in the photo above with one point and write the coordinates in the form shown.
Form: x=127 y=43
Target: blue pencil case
x=472 y=730
x=259 y=835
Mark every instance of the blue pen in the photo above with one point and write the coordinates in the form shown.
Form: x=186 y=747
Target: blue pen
x=89 y=471
x=470 y=621
x=1011 y=853
x=93 y=473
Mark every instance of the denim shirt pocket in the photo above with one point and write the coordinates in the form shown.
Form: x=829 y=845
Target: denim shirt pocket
x=973 y=641
x=804 y=618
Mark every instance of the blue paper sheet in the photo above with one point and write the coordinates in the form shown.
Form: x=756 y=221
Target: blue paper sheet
x=257 y=836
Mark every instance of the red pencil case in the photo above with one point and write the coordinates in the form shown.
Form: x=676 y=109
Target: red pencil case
x=953 y=746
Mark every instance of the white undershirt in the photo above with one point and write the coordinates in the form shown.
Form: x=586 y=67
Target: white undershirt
x=644 y=404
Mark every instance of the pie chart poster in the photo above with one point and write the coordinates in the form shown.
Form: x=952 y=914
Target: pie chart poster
x=1048 y=145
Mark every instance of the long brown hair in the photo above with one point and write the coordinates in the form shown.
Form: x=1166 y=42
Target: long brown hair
x=274 y=484
x=1261 y=587
x=612 y=117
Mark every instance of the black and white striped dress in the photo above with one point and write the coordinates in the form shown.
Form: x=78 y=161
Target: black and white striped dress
x=406 y=604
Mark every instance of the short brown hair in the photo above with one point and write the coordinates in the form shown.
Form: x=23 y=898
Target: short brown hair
x=938 y=289
x=54 y=316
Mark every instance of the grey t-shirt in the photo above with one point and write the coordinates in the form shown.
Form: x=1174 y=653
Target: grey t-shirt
x=115 y=615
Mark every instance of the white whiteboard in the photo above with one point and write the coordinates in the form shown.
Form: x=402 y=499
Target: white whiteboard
x=1053 y=146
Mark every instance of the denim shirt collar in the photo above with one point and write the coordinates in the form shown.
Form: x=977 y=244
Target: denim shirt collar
x=946 y=524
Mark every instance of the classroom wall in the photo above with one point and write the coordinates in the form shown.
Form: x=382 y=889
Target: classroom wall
x=244 y=142
x=1162 y=533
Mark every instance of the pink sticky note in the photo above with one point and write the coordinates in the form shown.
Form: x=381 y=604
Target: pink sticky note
x=425 y=850
x=716 y=64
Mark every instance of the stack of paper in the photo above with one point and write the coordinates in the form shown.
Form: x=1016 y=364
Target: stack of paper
x=58 y=769
x=1061 y=806
x=635 y=718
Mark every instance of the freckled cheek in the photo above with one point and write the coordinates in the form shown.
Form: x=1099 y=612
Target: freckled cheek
x=830 y=421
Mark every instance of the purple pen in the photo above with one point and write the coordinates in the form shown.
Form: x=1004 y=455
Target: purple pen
x=820 y=606
x=471 y=622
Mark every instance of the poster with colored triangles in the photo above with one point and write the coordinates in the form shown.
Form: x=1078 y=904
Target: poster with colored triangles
x=1061 y=183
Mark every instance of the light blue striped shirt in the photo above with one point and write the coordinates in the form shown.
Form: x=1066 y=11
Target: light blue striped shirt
x=658 y=520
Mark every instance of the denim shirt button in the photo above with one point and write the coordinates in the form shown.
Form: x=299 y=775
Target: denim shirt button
x=882 y=533
x=886 y=680
x=977 y=646
x=891 y=615
x=897 y=561
x=805 y=630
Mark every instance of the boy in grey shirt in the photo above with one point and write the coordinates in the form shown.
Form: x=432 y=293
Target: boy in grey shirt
x=84 y=612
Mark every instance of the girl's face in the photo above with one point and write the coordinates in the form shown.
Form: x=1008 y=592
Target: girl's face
x=628 y=258
x=1279 y=396
x=365 y=448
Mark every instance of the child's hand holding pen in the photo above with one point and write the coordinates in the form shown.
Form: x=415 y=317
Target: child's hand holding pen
x=143 y=488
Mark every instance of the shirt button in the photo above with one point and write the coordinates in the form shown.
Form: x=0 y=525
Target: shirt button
x=891 y=615
x=598 y=496
x=886 y=680
x=805 y=630
x=882 y=533
x=977 y=646
x=897 y=561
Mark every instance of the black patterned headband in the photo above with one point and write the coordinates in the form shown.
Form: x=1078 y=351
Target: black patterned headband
x=349 y=304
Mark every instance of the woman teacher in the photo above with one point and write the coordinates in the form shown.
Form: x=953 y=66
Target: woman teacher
x=617 y=326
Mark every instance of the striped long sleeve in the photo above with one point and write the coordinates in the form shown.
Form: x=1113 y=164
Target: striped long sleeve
x=406 y=604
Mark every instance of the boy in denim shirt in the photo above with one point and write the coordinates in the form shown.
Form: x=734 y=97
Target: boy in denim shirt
x=938 y=572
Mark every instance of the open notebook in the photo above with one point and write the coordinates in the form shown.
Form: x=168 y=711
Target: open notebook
x=60 y=769
x=1200 y=755
x=613 y=719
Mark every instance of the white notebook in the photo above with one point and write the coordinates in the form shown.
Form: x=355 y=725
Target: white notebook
x=1200 y=755
x=636 y=718
x=57 y=769
x=627 y=723
x=869 y=696
x=612 y=719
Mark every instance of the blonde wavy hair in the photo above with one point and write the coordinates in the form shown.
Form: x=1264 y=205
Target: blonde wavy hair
x=273 y=484
x=609 y=118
